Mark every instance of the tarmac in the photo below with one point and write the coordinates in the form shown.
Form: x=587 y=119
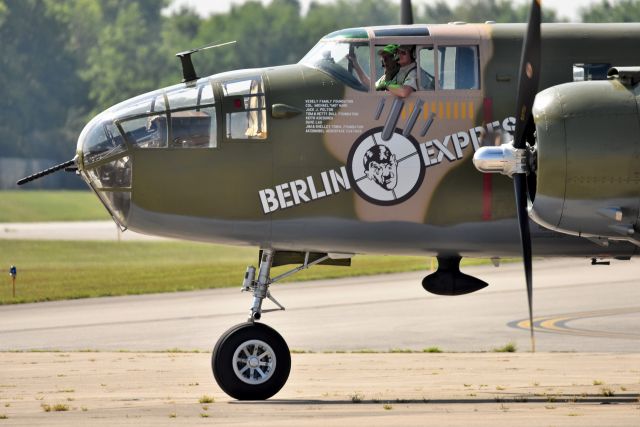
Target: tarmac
x=587 y=372
x=372 y=389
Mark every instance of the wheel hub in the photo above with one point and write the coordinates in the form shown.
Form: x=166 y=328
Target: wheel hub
x=254 y=362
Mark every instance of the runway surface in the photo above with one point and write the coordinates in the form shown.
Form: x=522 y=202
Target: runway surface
x=451 y=389
x=577 y=307
x=69 y=230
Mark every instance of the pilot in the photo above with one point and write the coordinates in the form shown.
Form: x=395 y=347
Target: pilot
x=381 y=167
x=405 y=80
x=389 y=58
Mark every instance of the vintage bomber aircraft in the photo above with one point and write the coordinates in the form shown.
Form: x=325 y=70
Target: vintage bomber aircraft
x=311 y=164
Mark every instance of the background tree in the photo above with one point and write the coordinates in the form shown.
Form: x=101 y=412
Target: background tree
x=38 y=83
x=126 y=59
x=501 y=11
x=608 y=11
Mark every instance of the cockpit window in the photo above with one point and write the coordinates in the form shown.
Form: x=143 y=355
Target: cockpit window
x=427 y=69
x=336 y=58
x=459 y=67
x=246 y=108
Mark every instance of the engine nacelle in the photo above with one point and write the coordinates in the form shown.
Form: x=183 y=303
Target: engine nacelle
x=588 y=156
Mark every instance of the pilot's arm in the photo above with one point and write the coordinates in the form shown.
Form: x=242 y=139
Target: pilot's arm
x=364 y=78
x=408 y=86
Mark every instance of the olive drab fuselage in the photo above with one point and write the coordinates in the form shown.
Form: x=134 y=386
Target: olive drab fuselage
x=307 y=157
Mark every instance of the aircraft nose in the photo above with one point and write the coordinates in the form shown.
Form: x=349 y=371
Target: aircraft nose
x=105 y=164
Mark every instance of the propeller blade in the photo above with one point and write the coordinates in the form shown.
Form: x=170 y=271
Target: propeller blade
x=529 y=75
x=528 y=79
x=46 y=172
x=406 y=13
x=520 y=186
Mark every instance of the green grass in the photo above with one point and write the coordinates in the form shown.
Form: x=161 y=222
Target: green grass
x=55 y=270
x=34 y=206
x=508 y=348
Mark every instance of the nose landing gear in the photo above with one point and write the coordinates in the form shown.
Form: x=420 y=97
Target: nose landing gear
x=251 y=361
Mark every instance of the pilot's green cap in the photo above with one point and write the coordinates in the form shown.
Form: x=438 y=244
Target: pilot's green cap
x=390 y=49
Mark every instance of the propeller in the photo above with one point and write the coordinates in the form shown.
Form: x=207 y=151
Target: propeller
x=406 y=13
x=513 y=159
x=47 y=171
x=529 y=77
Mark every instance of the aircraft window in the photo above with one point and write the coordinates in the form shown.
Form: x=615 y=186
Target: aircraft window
x=249 y=121
x=427 y=80
x=144 y=106
x=194 y=128
x=205 y=94
x=118 y=203
x=103 y=141
x=158 y=104
x=598 y=71
x=459 y=67
x=183 y=98
x=334 y=59
x=116 y=174
x=147 y=131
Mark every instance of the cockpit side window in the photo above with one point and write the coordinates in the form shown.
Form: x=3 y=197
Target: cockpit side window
x=343 y=60
x=246 y=109
x=427 y=67
x=459 y=67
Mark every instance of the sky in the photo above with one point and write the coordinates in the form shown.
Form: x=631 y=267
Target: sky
x=566 y=8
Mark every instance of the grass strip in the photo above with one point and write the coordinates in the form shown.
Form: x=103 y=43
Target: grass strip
x=56 y=270
x=43 y=206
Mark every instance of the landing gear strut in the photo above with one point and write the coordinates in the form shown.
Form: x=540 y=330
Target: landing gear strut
x=251 y=361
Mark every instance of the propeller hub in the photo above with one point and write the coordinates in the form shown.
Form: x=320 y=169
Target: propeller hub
x=504 y=159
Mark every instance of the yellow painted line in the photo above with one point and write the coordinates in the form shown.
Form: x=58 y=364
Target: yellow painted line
x=525 y=323
x=404 y=113
x=471 y=112
x=434 y=107
x=551 y=323
x=455 y=110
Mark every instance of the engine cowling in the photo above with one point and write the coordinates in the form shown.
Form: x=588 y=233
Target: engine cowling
x=588 y=159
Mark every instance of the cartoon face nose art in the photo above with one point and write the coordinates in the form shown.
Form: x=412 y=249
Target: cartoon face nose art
x=385 y=172
x=381 y=166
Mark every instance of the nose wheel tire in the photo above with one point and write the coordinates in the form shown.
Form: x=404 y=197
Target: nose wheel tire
x=251 y=361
